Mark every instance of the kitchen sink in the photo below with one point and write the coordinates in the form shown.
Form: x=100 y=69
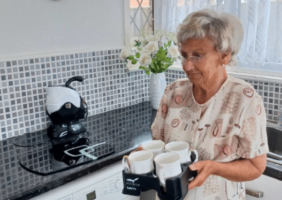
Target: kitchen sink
x=275 y=145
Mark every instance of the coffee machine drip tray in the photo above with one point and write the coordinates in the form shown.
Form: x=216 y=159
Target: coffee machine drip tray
x=41 y=159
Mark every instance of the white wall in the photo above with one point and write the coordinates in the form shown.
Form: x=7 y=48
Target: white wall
x=31 y=27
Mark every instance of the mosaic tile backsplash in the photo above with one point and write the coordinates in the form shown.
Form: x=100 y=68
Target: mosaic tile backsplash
x=107 y=86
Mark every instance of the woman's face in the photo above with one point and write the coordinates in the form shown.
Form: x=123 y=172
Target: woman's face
x=200 y=61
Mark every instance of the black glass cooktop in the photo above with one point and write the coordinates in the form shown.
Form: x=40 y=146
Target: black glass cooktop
x=109 y=132
x=26 y=162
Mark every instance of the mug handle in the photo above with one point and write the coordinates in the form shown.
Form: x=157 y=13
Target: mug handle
x=161 y=177
x=125 y=164
x=196 y=155
x=191 y=174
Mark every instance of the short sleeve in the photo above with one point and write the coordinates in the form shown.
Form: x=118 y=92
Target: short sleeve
x=253 y=137
x=159 y=122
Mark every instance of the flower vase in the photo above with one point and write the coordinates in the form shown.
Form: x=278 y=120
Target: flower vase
x=157 y=87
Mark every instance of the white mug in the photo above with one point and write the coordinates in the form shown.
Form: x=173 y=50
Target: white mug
x=167 y=166
x=155 y=146
x=139 y=162
x=182 y=149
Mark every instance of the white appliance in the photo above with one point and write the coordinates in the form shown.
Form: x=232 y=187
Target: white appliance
x=104 y=184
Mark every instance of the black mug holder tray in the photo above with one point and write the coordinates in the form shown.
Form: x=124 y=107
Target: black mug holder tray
x=176 y=187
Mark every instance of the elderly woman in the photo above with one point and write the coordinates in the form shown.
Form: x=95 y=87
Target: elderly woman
x=220 y=116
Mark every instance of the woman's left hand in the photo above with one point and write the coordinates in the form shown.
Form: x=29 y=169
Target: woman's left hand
x=204 y=169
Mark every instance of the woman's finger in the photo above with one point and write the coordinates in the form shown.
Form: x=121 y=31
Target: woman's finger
x=198 y=181
x=197 y=166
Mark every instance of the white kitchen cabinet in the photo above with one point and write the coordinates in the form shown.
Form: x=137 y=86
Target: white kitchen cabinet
x=272 y=188
x=104 y=184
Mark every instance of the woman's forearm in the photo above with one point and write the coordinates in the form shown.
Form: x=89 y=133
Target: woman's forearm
x=240 y=170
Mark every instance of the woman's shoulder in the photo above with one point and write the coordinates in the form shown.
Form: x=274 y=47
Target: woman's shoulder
x=242 y=87
x=239 y=82
x=182 y=82
x=179 y=86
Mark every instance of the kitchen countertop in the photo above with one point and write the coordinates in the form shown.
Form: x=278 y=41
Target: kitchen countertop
x=126 y=128
x=72 y=175
x=273 y=170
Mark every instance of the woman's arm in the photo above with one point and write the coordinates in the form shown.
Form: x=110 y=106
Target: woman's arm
x=239 y=170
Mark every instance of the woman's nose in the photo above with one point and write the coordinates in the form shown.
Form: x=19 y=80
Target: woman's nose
x=187 y=65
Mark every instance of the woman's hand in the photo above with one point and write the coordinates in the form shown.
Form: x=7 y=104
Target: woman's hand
x=204 y=169
x=239 y=170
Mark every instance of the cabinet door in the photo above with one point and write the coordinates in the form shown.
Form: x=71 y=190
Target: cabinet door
x=272 y=188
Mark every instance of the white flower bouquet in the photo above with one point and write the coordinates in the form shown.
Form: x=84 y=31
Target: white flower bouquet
x=151 y=53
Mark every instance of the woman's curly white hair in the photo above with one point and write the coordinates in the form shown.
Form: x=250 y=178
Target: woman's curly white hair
x=225 y=30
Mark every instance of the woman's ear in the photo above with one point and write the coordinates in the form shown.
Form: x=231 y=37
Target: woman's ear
x=225 y=58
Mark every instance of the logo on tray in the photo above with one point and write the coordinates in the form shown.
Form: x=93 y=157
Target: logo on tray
x=131 y=188
x=132 y=182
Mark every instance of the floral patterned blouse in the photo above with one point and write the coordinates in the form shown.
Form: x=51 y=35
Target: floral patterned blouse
x=229 y=126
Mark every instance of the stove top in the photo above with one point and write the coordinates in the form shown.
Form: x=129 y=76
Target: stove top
x=109 y=133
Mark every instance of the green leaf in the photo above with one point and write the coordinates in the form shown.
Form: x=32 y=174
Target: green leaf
x=148 y=72
x=134 y=61
x=157 y=67
x=144 y=68
x=169 y=43
x=166 y=67
x=152 y=69
x=138 y=43
x=137 y=55
x=131 y=57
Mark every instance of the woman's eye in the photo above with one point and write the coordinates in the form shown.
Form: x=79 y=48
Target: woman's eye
x=197 y=55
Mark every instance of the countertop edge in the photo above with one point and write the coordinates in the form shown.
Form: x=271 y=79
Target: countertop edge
x=272 y=170
x=64 y=180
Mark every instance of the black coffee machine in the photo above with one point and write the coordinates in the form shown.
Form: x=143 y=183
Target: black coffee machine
x=66 y=110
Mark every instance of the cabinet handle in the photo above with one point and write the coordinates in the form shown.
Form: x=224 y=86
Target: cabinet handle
x=254 y=193
x=274 y=155
x=274 y=161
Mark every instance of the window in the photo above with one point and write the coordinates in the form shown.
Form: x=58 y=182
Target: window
x=139 y=15
x=262 y=21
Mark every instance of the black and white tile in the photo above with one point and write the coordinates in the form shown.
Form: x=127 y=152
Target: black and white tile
x=107 y=86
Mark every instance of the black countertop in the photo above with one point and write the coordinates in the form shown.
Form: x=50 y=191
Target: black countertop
x=125 y=128
x=273 y=170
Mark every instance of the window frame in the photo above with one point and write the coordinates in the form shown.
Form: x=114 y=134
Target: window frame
x=238 y=69
x=127 y=22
